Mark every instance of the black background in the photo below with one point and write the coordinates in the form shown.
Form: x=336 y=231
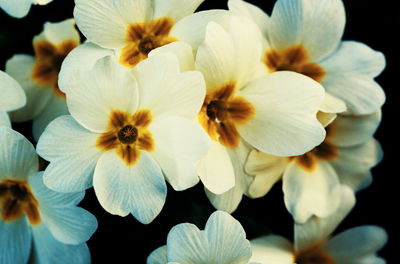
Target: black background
x=123 y=239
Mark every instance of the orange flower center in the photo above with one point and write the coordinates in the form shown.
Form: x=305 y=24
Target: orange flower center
x=128 y=135
x=293 y=59
x=49 y=59
x=16 y=199
x=142 y=38
x=313 y=255
x=222 y=112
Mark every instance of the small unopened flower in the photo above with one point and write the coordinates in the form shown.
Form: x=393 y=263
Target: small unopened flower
x=12 y=97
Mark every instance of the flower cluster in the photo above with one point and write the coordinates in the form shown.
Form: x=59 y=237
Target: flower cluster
x=160 y=94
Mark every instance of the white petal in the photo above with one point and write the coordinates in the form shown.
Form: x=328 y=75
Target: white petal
x=5 y=119
x=266 y=170
x=181 y=50
x=284 y=123
x=179 y=144
x=308 y=193
x=72 y=152
x=48 y=250
x=158 y=256
x=58 y=32
x=216 y=57
x=37 y=96
x=272 y=249
x=192 y=29
x=319 y=229
x=166 y=91
x=12 y=95
x=16 y=8
x=93 y=95
x=332 y=104
x=356 y=243
x=353 y=164
x=175 y=9
x=81 y=58
x=349 y=131
x=15 y=241
x=105 y=22
x=17 y=155
x=55 y=108
x=317 y=25
x=139 y=189
x=215 y=169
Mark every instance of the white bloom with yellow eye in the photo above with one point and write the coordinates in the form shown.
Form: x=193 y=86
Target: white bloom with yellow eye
x=305 y=36
x=313 y=242
x=128 y=130
x=271 y=112
x=35 y=220
x=38 y=75
x=20 y=8
x=12 y=97
x=222 y=241
x=311 y=182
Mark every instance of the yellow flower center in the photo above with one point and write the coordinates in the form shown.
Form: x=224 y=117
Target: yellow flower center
x=16 y=199
x=49 y=59
x=222 y=112
x=141 y=38
x=293 y=59
x=128 y=135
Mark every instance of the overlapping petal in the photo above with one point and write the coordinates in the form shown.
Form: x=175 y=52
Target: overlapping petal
x=15 y=241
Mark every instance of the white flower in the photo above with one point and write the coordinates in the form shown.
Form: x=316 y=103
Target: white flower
x=305 y=36
x=20 y=8
x=33 y=217
x=311 y=182
x=38 y=75
x=222 y=241
x=12 y=97
x=313 y=242
x=127 y=131
x=274 y=113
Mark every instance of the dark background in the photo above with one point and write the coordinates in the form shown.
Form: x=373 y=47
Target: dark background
x=123 y=239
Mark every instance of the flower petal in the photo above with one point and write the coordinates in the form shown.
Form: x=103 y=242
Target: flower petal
x=93 y=95
x=179 y=144
x=16 y=8
x=58 y=32
x=308 y=193
x=317 y=24
x=158 y=256
x=72 y=153
x=284 y=123
x=181 y=50
x=13 y=97
x=17 y=155
x=139 y=189
x=272 y=249
x=15 y=241
x=48 y=250
x=175 y=9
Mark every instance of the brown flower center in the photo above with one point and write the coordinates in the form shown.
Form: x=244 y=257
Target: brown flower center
x=16 y=199
x=293 y=59
x=128 y=134
x=313 y=255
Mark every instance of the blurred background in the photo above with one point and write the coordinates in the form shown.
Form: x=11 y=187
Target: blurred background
x=123 y=239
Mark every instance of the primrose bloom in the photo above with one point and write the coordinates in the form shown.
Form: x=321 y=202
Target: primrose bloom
x=38 y=75
x=313 y=242
x=246 y=107
x=222 y=241
x=12 y=97
x=127 y=131
x=133 y=28
x=311 y=182
x=35 y=220
x=20 y=8
x=305 y=37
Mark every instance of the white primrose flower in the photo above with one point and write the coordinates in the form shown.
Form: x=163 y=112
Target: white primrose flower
x=127 y=131
x=313 y=242
x=311 y=182
x=36 y=222
x=12 y=97
x=245 y=106
x=38 y=75
x=305 y=36
x=20 y=8
x=222 y=241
